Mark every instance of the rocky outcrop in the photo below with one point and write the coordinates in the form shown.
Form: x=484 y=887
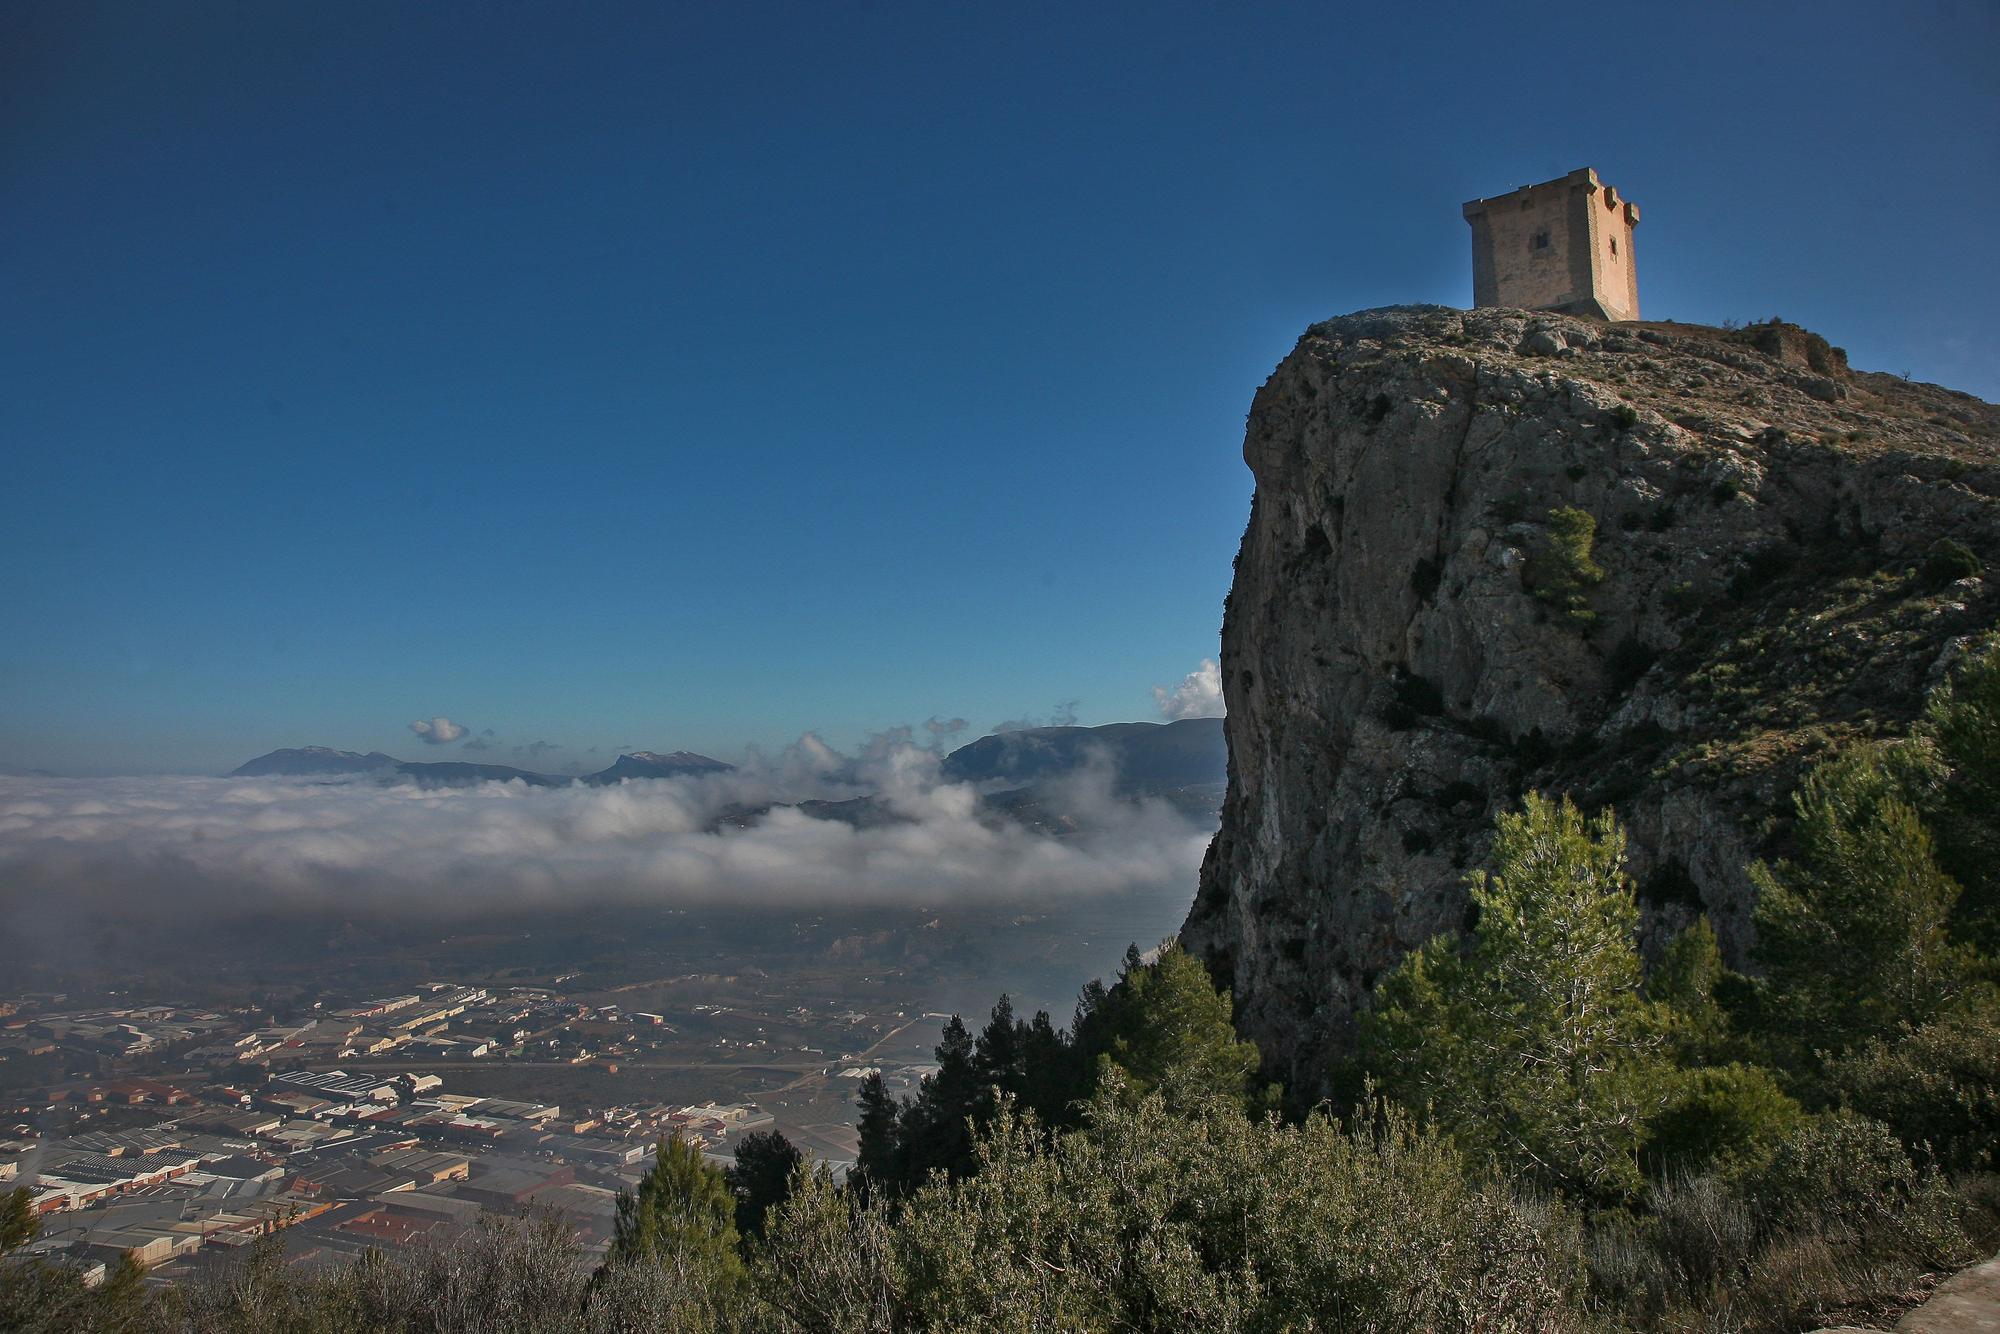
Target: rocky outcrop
x=1786 y=553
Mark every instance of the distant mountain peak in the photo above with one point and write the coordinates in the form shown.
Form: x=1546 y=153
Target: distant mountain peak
x=1147 y=757
x=673 y=757
x=300 y=760
x=652 y=764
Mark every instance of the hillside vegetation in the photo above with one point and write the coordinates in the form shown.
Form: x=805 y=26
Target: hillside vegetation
x=1540 y=1134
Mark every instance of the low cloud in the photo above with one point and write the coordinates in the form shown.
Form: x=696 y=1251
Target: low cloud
x=942 y=729
x=1199 y=695
x=88 y=849
x=1063 y=715
x=438 y=731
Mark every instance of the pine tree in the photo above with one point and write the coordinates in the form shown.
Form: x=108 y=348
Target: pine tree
x=1167 y=1029
x=1852 y=935
x=683 y=1216
x=19 y=1223
x=1087 y=1002
x=1685 y=983
x=1962 y=725
x=1534 y=1044
x=761 y=1177
x=1051 y=1079
x=880 y=1127
x=937 y=1130
x=997 y=1055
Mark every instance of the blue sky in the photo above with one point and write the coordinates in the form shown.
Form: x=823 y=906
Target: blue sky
x=692 y=376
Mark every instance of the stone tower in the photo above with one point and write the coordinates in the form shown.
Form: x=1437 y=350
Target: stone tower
x=1562 y=245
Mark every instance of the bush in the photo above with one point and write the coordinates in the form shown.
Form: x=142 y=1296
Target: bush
x=1853 y=934
x=1937 y=1086
x=1151 y=1220
x=507 y=1274
x=1718 y=1116
x=1961 y=728
x=1844 y=1178
x=828 y=1262
x=1948 y=561
x=1562 y=571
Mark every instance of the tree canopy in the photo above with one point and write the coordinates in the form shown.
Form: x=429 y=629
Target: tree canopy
x=1533 y=1042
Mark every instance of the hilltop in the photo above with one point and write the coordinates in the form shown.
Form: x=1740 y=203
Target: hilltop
x=1657 y=567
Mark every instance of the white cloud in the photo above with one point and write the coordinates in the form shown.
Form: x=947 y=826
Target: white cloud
x=437 y=731
x=1063 y=715
x=942 y=729
x=268 y=846
x=1199 y=695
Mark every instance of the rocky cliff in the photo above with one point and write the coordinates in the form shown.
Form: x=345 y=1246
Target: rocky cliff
x=1659 y=567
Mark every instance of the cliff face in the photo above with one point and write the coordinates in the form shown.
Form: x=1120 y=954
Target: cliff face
x=1415 y=634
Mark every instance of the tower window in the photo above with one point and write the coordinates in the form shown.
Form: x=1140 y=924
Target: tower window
x=1541 y=241
x=1614 y=247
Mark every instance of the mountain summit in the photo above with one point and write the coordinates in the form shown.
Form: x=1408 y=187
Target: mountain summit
x=1146 y=757
x=650 y=764
x=304 y=760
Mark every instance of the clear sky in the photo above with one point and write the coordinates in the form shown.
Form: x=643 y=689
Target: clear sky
x=690 y=376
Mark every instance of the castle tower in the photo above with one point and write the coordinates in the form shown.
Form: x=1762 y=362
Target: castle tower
x=1562 y=245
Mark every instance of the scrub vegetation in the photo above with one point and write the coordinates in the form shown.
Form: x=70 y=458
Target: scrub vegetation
x=1542 y=1133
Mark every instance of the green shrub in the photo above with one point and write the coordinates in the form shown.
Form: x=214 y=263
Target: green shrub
x=682 y=1208
x=1716 y=1116
x=1150 y=1220
x=1852 y=934
x=1937 y=1086
x=1961 y=728
x=1948 y=561
x=1845 y=1178
x=1563 y=570
x=1683 y=599
x=828 y=1261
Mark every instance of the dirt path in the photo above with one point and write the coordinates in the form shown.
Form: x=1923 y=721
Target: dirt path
x=1966 y=1303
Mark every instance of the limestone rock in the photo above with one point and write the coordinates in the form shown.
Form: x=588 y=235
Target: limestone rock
x=1398 y=663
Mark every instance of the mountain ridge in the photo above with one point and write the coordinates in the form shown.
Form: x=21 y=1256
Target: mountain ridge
x=325 y=761
x=1147 y=758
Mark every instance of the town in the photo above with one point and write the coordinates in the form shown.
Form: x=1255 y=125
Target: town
x=180 y=1135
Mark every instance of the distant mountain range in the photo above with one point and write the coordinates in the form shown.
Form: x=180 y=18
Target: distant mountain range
x=1186 y=762
x=310 y=761
x=1147 y=758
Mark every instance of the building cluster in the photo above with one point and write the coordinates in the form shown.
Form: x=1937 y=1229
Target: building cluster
x=440 y=1024
x=264 y=1127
